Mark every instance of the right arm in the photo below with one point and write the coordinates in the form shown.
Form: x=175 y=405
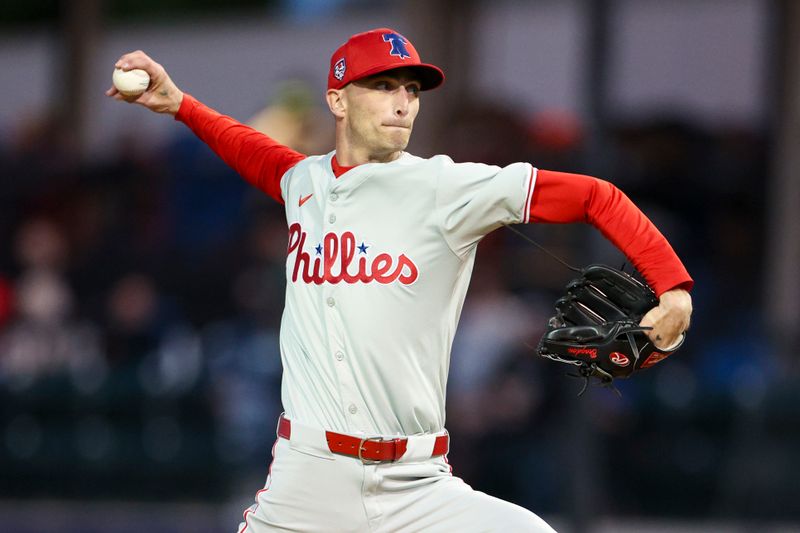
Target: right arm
x=259 y=159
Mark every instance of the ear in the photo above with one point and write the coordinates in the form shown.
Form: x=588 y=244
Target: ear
x=336 y=102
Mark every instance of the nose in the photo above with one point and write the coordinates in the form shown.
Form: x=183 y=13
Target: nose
x=401 y=103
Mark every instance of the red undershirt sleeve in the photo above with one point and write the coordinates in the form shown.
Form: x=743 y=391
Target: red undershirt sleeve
x=560 y=197
x=260 y=160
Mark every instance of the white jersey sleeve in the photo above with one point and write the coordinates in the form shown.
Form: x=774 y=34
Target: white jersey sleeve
x=473 y=199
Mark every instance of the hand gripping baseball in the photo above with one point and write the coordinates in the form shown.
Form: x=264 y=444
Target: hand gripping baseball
x=161 y=96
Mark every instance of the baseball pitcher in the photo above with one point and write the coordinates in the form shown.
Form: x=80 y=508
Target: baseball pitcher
x=380 y=253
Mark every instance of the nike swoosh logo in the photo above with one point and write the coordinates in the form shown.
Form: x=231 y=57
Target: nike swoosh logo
x=305 y=199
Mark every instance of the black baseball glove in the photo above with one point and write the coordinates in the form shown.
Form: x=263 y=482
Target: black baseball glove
x=596 y=326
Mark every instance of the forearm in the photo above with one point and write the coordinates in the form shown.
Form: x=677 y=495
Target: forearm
x=563 y=198
x=256 y=157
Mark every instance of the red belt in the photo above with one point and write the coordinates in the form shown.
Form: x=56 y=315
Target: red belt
x=368 y=449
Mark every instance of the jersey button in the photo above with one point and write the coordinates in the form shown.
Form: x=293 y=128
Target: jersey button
x=334 y=197
x=339 y=356
x=353 y=409
x=332 y=219
x=331 y=302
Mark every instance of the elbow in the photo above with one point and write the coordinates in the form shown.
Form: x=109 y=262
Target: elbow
x=603 y=196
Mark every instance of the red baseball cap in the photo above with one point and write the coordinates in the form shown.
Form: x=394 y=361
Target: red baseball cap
x=379 y=50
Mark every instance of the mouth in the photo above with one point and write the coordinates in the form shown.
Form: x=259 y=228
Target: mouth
x=403 y=126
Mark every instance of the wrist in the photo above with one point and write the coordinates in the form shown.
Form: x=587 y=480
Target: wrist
x=176 y=104
x=677 y=298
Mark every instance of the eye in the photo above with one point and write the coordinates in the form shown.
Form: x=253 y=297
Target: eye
x=382 y=85
x=413 y=89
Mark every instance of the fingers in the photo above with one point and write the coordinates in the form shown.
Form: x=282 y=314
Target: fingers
x=667 y=326
x=663 y=341
x=132 y=60
x=140 y=60
x=116 y=95
x=669 y=319
x=649 y=318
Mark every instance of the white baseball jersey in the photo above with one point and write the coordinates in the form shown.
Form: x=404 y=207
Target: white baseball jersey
x=379 y=261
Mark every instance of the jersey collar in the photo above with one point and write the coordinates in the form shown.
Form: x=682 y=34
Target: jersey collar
x=338 y=169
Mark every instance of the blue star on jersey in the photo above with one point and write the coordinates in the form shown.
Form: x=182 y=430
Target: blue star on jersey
x=362 y=248
x=398 y=45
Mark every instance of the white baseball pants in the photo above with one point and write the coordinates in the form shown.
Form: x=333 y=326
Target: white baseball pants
x=311 y=489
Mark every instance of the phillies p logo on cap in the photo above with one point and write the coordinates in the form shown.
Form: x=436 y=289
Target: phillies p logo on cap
x=376 y=51
x=398 y=45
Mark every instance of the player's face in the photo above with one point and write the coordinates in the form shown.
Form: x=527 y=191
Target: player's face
x=380 y=111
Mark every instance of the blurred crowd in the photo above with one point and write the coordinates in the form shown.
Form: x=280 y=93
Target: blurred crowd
x=141 y=296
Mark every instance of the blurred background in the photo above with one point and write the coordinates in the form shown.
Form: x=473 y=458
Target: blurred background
x=141 y=281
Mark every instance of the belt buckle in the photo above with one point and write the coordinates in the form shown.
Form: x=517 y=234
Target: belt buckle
x=367 y=461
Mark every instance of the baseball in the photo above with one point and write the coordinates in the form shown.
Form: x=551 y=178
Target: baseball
x=132 y=82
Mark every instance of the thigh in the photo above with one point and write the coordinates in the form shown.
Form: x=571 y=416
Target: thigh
x=309 y=493
x=449 y=505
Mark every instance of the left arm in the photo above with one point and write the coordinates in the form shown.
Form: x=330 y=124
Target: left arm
x=560 y=197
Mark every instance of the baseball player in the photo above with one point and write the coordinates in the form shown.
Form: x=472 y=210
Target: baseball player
x=381 y=248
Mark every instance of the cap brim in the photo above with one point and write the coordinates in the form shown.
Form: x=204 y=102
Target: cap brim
x=430 y=76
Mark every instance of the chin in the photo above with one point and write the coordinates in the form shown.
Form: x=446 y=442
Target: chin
x=399 y=142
